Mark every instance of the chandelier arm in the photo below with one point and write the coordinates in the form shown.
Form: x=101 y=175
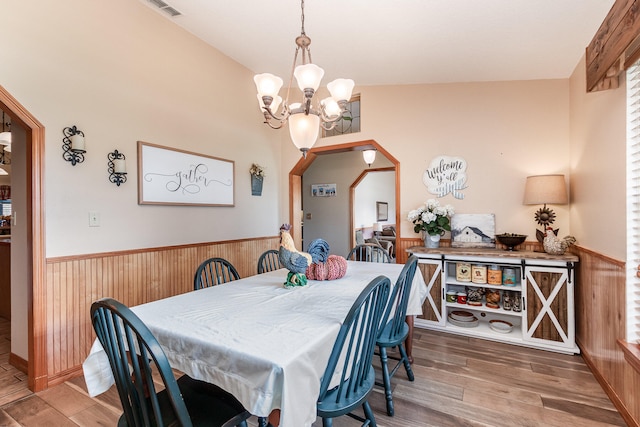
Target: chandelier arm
x=328 y=125
x=330 y=119
x=269 y=117
x=268 y=114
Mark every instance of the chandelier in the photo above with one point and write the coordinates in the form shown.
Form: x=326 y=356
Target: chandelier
x=305 y=119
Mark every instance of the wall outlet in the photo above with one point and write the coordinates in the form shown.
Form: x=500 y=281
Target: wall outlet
x=94 y=219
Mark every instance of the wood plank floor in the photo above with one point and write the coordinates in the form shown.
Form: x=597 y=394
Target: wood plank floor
x=458 y=382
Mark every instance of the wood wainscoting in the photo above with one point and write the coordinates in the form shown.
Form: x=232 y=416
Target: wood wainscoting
x=132 y=277
x=600 y=322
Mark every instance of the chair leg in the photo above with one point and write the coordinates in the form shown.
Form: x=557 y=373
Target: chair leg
x=368 y=413
x=405 y=360
x=327 y=422
x=386 y=380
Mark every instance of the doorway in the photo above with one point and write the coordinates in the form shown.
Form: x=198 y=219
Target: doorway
x=29 y=221
x=295 y=181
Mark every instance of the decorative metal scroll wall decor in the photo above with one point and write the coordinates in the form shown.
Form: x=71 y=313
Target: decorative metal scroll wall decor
x=117 y=167
x=73 y=145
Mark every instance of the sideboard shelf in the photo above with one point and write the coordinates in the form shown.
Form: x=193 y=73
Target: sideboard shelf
x=544 y=316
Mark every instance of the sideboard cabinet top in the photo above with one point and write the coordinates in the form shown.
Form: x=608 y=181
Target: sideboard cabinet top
x=496 y=253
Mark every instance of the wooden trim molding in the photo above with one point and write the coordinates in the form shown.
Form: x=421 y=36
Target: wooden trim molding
x=34 y=216
x=614 y=46
x=631 y=353
x=19 y=363
x=295 y=180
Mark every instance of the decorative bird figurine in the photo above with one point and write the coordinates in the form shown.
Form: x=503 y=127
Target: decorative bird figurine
x=296 y=261
x=554 y=245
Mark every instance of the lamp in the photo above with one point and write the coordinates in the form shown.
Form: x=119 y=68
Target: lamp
x=5 y=143
x=369 y=156
x=543 y=189
x=5 y=135
x=377 y=229
x=73 y=145
x=117 y=168
x=304 y=119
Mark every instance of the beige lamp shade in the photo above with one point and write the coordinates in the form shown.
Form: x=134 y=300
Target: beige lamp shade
x=377 y=227
x=543 y=189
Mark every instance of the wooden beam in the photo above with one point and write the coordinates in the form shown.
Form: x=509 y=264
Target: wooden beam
x=607 y=53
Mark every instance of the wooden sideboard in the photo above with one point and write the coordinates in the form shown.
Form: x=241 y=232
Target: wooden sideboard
x=543 y=288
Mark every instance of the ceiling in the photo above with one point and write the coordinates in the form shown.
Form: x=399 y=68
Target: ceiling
x=378 y=42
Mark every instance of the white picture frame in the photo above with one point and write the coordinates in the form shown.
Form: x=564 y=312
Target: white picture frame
x=169 y=176
x=473 y=231
x=323 y=190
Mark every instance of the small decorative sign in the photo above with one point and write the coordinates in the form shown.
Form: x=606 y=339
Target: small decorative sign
x=323 y=190
x=167 y=176
x=446 y=175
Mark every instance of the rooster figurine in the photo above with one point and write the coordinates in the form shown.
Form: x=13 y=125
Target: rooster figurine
x=554 y=245
x=297 y=262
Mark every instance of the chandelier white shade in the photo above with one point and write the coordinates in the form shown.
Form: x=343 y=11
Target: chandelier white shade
x=304 y=130
x=305 y=119
x=369 y=156
x=5 y=138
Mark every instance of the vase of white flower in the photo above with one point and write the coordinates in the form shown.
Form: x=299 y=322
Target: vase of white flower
x=432 y=241
x=433 y=220
x=257 y=179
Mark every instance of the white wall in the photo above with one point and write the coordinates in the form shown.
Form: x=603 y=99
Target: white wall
x=598 y=166
x=375 y=187
x=20 y=247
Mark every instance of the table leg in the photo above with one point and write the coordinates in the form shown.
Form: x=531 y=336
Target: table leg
x=408 y=343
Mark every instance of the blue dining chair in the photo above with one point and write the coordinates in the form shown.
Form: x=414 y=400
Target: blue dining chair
x=269 y=261
x=394 y=330
x=368 y=252
x=186 y=402
x=214 y=271
x=351 y=356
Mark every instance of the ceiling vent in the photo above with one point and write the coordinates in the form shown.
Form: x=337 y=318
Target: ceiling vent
x=165 y=7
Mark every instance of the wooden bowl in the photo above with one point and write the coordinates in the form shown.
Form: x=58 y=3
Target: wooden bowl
x=511 y=240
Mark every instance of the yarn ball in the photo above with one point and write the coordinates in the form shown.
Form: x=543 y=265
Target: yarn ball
x=334 y=268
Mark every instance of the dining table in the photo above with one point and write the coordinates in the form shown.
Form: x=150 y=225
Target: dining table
x=266 y=344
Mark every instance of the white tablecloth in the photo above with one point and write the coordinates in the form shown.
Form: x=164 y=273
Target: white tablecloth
x=265 y=344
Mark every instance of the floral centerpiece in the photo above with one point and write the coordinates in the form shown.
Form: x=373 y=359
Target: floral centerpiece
x=432 y=219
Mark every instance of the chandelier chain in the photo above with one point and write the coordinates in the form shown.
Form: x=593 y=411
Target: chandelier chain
x=302 y=18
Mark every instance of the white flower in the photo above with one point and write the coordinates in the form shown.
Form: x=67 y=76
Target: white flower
x=257 y=170
x=431 y=217
x=415 y=214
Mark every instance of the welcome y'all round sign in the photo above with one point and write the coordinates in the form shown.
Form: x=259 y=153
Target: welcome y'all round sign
x=446 y=175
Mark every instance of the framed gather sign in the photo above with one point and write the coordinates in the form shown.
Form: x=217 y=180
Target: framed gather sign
x=168 y=176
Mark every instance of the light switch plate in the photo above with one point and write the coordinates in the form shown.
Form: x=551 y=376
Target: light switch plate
x=94 y=219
